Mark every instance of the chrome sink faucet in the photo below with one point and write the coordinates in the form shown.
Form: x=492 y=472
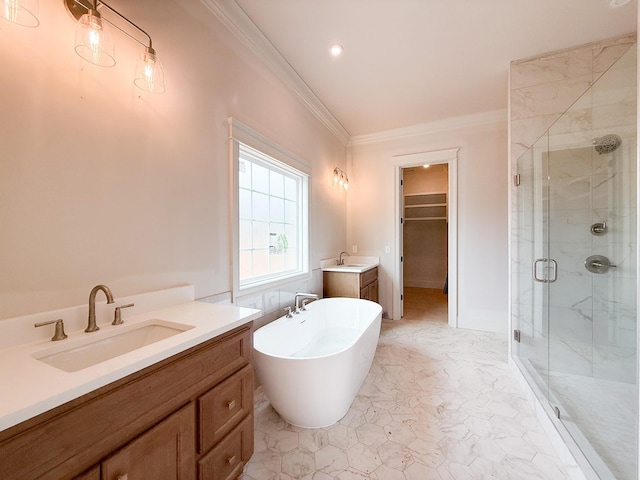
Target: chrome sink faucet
x=303 y=295
x=340 y=259
x=91 y=326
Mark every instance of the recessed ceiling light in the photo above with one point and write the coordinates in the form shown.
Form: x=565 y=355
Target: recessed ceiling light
x=426 y=165
x=617 y=3
x=336 y=50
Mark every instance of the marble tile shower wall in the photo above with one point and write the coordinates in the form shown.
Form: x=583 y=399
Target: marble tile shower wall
x=592 y=316
x=596 y=336
x=543 y=88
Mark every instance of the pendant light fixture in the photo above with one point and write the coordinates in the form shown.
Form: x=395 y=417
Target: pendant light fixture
x=21 y=12
x=93 y=39
x=149 y=73
x=340 y=178
x=95 y=45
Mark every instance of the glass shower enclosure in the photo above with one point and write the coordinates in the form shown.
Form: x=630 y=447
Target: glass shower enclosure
x=574 y=270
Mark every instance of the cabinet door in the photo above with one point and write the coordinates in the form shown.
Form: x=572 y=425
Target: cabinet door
x=373 y=291
x=165 y=452
x=93 y=474
x=364 y=293
x=341 y=284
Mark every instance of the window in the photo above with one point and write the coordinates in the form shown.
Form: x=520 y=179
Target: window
x=271 y=244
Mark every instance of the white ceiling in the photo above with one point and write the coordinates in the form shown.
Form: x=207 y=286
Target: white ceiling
x=409 y=62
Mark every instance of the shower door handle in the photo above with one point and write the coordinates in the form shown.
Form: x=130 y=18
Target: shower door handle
x=535 y=270
x=554 y=270
x=550 y=265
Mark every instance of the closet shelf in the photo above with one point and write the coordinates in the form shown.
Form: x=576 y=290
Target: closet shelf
x=422 y=219
x=425 y=207
x=418 y=205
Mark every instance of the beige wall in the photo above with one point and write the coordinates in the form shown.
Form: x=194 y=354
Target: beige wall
x=103 y=183
x=482 y=213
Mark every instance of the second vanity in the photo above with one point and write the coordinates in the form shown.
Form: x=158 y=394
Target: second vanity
x=178 y=408
x=356 y=278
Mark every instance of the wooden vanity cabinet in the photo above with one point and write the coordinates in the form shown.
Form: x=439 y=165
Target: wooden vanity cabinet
x=351 y=284
x=183 y=418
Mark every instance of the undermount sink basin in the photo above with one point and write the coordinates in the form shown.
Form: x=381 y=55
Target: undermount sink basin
x=102 y=346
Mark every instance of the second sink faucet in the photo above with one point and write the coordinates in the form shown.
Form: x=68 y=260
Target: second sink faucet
x=340 y=259
x=91 y=326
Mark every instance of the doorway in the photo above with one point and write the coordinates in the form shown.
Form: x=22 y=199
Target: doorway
x=424 y=246
x=447 y=214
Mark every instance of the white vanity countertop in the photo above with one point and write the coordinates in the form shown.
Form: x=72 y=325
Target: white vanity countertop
x=31 y=387
x=352 y=264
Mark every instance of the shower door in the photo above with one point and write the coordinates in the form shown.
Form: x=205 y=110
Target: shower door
x=574 y=232
x=592 y=211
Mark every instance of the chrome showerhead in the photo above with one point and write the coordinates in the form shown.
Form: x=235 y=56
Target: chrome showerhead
x=607 y=143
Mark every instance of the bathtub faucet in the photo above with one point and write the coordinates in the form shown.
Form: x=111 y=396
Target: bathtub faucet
x=303 y=296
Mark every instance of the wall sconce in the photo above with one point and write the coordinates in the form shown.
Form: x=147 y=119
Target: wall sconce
x=95 y=45
x=341 y=178
x=21 y=12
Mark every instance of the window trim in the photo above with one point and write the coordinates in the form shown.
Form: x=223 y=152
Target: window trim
x=240 y=133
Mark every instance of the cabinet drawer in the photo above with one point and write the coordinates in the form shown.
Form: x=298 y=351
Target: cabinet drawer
x=369 y=276
x=222 y=407
x=225 y=460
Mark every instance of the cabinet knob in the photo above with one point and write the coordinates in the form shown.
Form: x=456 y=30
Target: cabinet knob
x=231 y=404
x=231 y=460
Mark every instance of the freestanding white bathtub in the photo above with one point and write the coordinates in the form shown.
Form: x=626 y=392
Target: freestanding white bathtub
x=312 y=365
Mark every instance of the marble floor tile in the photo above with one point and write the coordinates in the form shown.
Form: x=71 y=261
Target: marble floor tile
x=438 y=404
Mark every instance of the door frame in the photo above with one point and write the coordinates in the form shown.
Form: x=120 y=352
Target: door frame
x=450 y=157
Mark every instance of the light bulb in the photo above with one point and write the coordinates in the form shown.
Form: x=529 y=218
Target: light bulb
x=346 y=185
x=336 y=50
x=149 y=72
x=11 y=9
x=93 y=40
x=21 y=12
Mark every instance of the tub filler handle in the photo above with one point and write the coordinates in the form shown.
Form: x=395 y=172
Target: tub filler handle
x=287 y=310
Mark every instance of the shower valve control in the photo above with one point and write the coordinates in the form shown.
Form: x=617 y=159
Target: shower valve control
x=598 y=264
x=599 y=229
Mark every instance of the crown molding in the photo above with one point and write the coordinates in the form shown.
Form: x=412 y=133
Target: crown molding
x=447 y=124
x=239 y=23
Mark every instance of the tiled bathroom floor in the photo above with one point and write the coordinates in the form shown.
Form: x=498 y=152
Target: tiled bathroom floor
x=438 y=404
